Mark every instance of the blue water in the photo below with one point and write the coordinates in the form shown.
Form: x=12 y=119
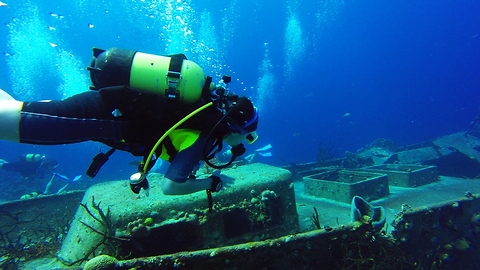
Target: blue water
x=342 y=73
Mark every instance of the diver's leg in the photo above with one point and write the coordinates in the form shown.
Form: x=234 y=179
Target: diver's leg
x=79 y=118
x=46 y=129
x=10 y=119
x=82 y=117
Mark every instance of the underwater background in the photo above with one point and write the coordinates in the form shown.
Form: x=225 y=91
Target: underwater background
x=322 y=73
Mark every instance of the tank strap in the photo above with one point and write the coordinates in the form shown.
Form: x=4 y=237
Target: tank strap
x=173 y=75
x=206 y=93
x=171 y=151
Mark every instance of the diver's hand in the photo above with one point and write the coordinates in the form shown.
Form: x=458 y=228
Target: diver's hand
x=238 y=150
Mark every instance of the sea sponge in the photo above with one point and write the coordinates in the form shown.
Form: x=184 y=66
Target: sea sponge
x=148 y=221
x=101 y=262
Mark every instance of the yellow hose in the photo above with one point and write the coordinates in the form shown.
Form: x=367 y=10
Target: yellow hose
x=145 y=167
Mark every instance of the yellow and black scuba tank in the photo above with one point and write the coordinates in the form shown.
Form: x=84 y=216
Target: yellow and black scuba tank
x=173 y=77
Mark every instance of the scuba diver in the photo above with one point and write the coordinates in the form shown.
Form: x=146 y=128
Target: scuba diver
x=31 y=166
x=149 y=105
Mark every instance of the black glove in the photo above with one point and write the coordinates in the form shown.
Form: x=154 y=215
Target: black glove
x=137 y=187
x=217 y=184
x=238 y=150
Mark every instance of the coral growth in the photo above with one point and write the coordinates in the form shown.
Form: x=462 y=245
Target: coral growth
x=101 y=262
x=140 y=228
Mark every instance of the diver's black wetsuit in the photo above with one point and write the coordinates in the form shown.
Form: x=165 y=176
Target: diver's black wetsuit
x=120 y=117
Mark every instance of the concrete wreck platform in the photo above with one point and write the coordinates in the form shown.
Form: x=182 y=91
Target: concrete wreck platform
x=438 y=236
x=262 y=219
x=334 y=214
x=257 y=203
x=434 y=226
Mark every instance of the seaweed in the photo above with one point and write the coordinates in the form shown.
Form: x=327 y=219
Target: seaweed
x=38 y=243
x=315 y=219
x=374 y=250
x=107 y=232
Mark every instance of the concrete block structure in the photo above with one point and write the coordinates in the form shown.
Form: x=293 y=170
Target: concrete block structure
x=342 y=185
x=256 y=203
x=407 y=175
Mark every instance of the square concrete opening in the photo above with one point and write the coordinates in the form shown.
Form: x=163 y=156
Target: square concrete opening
x=343 y=185
x=407 y=175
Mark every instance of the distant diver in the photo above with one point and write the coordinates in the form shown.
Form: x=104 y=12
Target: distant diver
x=31 y=166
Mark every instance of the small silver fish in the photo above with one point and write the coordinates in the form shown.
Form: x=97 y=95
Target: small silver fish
x=61 y=176
x=117 y=113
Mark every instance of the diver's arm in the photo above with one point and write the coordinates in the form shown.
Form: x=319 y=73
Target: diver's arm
x=176 y=180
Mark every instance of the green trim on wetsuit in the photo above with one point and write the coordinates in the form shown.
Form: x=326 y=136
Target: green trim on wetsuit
x=181 y=139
